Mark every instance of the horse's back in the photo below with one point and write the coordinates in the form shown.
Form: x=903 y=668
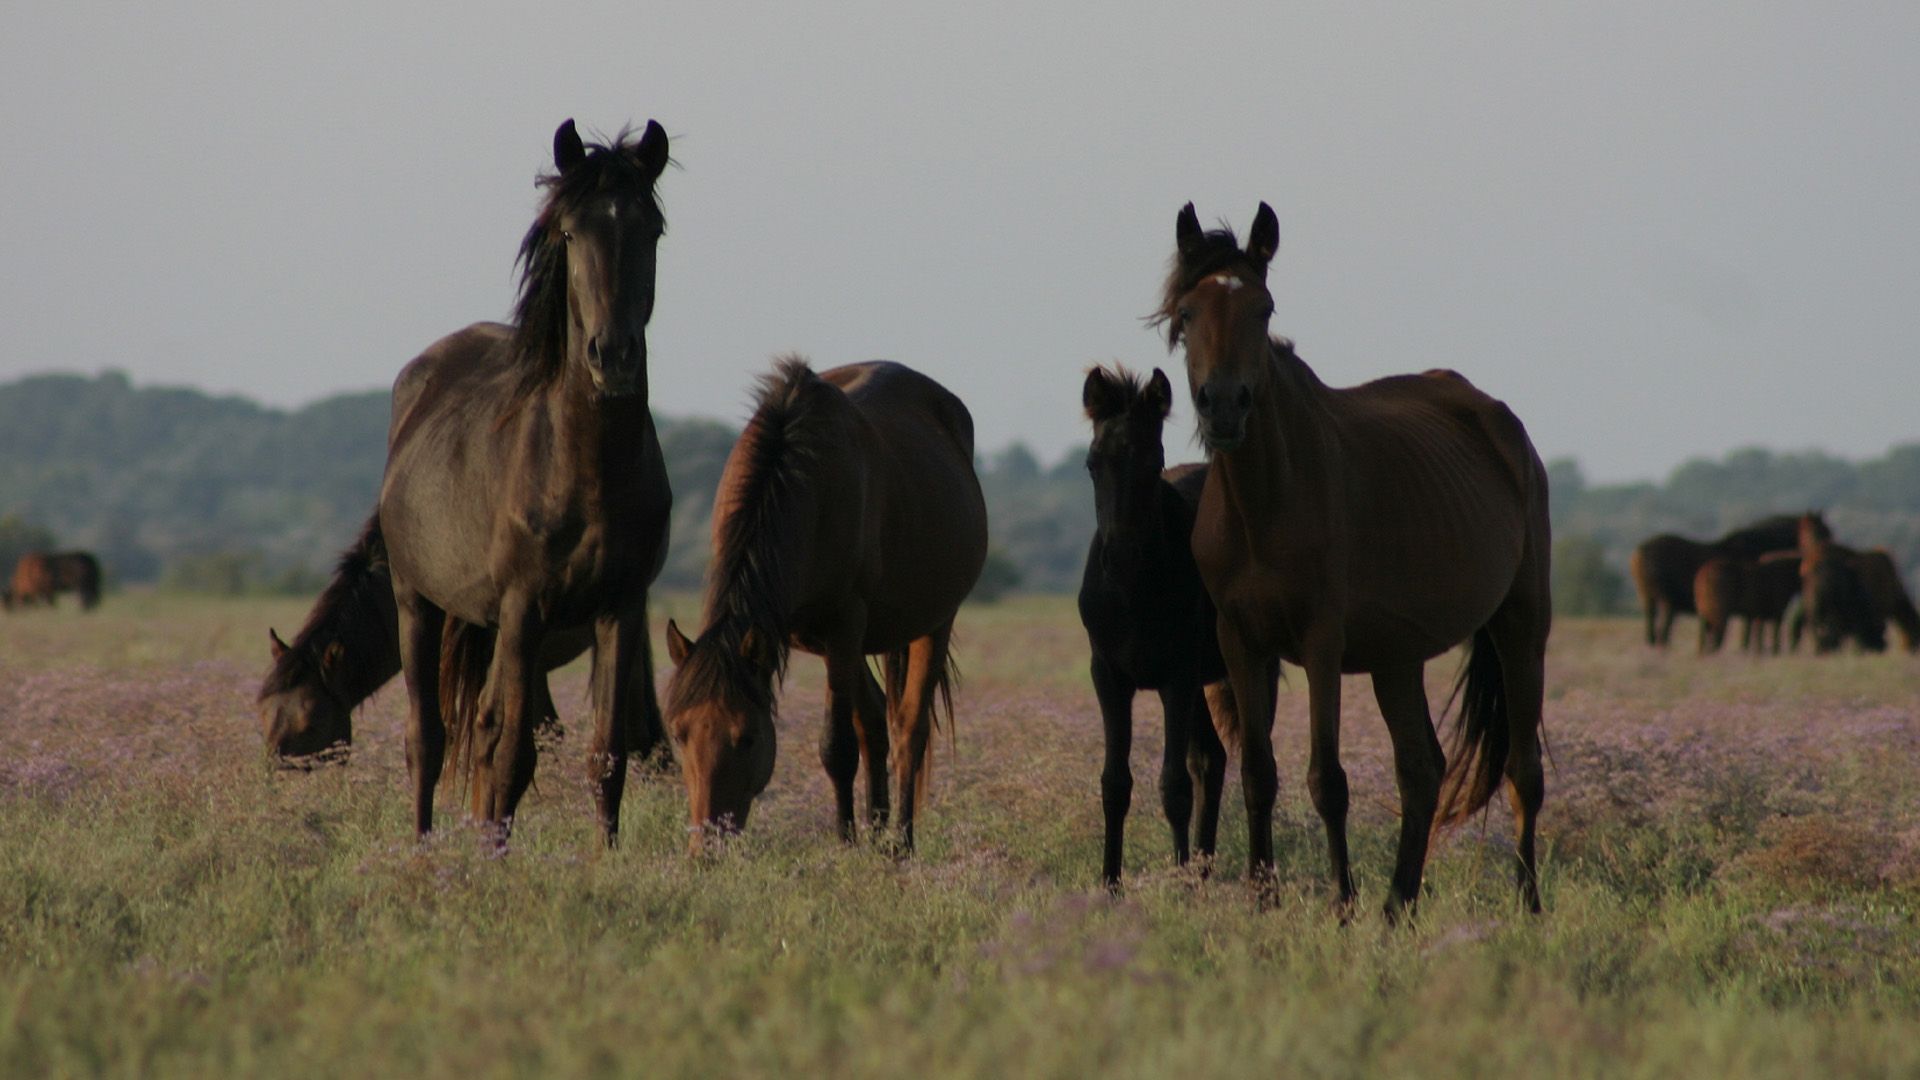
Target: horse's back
x=465 y=357
x=926 y=517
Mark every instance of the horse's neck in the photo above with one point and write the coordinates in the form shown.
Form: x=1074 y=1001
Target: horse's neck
x=1285 y=470
x=595 y=436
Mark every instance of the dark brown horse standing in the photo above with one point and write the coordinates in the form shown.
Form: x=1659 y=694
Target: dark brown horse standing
x=848 y=523
x=347 y=649
x=1149 y=622
x=1757 y=591
x=1849 y=593
x=39 y=576
x=1366 y=529
x=1664 y=567
x=525 y=490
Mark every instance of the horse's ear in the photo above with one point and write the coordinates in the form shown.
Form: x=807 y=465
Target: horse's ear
x=330 y=659
x=652 y=149
x=1186 y=231
x=568 y=150
x=274 y=643
x=1159 y=393
x=1264 y=240
x=677 y=644
x=1099 y=396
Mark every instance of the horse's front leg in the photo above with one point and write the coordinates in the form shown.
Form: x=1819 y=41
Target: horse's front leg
x=1253 y=694
x=503 y=750
x=1115 y=692
x=621 y=683
x=420 y=626
x=646 y=730
x=1326 y=780
x=840 y=744
x=1181 y=703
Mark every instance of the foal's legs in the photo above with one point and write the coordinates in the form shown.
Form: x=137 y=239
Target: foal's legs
x=912 y=718
x=1115 y=692
x=1186 y=711
x=1419 y=764
x=420 y=626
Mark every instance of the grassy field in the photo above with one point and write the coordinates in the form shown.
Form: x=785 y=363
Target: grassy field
x=1732 y=879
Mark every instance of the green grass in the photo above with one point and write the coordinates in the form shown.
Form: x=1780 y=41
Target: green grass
x=1732 y=880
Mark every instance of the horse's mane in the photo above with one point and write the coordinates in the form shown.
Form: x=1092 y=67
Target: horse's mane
x=540 y=313
x=1217 y=250
x=750 y=578
x=360 y=579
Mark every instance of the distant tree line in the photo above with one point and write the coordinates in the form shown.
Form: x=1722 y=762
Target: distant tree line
x=220 y=494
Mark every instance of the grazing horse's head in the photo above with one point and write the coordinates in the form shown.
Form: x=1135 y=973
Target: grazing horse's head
x=719 y=711
x=1216 y=302
x=587 y=264
x=300 y=713
x=1126 y=456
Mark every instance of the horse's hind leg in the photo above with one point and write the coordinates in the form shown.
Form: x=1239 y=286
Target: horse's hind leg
x=1419 y=764
x=646 y=730
x=870 y=723
x=1326 y=780
x=1519 y=631
x=420 y=626
x=912 y=718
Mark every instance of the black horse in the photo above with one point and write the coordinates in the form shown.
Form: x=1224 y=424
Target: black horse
x=346 y=650
x=525 y=490
x=1148 y=618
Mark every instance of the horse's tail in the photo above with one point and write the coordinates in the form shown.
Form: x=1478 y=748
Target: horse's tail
x=944 y=680
x=466 y=652
x=1477 y=758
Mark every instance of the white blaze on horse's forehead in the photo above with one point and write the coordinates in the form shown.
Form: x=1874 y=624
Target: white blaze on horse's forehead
x=1226 y=281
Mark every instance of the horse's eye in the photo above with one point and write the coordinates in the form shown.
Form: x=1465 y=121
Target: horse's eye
x=566 y=235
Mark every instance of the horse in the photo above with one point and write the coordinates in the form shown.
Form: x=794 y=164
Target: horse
x=1366 y=529
x=848 y=522
x=1149 y=621
x=1755 y=590
x=1850 y=593
x=524 y=489
x=347 y=649
x=1663 y=567
x=41 y=575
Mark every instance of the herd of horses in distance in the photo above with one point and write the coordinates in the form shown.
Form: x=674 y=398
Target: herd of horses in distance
x=1755 y=573
x=524 y=509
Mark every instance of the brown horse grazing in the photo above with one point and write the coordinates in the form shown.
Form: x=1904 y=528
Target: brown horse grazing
x=41 y=575
x=1150 y=623
x=1367 y=529
x=1664 y=566
x=525 y=491
x=346 y=650
x=848 y=522
x=1755 y=590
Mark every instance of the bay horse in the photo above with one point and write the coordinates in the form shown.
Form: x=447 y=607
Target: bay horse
x=1366 y=529
x=348 y=648
x=39 y=576
x=525 y=491
x=1663 y=567
x=1149 y=621
x=1756 y=590
x=848 y=522
x=1850 y=594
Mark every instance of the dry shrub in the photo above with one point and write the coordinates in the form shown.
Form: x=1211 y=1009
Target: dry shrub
x=1821 y=850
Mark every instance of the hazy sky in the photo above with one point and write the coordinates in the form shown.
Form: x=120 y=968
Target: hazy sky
x=1656 y=230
